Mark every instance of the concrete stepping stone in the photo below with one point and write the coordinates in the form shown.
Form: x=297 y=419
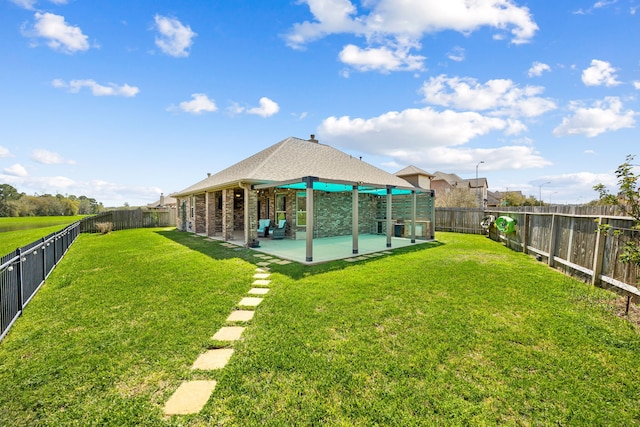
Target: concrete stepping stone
x=228 y=333
x=250 y=301
x=261 y=275
x=258 y=291
x=283 y=262
x=213 y=359
x=262 y=270
x=240 y=316
x=263 y=263
x=189 y=398
x=261 y=282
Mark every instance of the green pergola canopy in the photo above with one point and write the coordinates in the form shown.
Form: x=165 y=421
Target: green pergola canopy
x=336 y=187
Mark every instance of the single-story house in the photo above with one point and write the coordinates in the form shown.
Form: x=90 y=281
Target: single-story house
x=165 y=202
x=313 y=191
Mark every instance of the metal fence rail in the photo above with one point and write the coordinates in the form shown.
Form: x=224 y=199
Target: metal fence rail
x=24 y=270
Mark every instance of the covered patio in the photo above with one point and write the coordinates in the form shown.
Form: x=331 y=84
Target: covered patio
x=327 y=249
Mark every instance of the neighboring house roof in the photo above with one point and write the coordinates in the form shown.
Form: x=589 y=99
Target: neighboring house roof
x=455 y=181
x=295 y=158
x=163 y=202
x=412 y=170
x=450 y=178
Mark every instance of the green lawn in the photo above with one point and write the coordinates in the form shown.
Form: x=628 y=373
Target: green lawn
x=462 y=332
x=18 y=232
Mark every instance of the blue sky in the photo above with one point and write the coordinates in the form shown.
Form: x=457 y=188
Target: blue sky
x=120 y=101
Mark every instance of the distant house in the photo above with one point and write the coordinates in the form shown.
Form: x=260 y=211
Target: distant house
x=316 y=189
x=443 y=183
x=165 y=202
x=416 y=176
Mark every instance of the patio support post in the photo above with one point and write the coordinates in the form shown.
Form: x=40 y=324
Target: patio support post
x=414 y=200
x=389 y=224
x=309 y=180
x=354 y=221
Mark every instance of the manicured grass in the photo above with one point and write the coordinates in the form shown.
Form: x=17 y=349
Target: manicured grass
x=465 y=332
x=18 y=232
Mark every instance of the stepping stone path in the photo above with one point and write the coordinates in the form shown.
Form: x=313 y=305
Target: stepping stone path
x=191 y=396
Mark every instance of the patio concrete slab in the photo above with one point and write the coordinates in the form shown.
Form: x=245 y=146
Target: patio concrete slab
x=258 y=291
x=331 y=248
x=240 y=316
x=189 y=398
x=261 y=275
x=228 y=333
x=213 y=359
x=261 y=282
x=250 y=301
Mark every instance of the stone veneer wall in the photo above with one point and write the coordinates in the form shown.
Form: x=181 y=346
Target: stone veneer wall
x=333 y=214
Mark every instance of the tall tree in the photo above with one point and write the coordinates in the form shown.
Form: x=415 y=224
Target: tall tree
x=628 y=200
x=8 y=195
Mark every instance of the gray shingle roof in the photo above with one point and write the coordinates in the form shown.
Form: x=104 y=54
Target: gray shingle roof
x=295 y=158
x=412 y=170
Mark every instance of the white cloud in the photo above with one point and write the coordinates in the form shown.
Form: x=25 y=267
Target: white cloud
x=16 y=170
x=600 y=73
x=604 y=116
x=384 y=59
x=409 y=130
x=498 y=96
x=4 y=152
x=199 y=104
x=175 y=38
x=47 y=157
x=30 y=4
x=112 y=89
x=603 y=3
x=60 y=35
x=267 y=108
x=636 y=84
x=537 y=68
x=456 y=54
x=393 y=27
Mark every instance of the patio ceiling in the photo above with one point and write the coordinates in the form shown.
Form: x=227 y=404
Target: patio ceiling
x=339 y=187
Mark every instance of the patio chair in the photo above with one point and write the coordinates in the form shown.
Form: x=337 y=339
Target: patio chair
x=278 y=232
x=263 y=227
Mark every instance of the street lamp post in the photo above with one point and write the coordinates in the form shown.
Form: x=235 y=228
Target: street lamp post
x=477 y=198
x=540 y=190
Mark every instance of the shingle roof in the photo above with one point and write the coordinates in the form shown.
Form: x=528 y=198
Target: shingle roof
x=412 y=170
x=295 y=158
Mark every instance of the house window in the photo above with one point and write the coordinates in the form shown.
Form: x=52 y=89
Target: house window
x=301 y=209
x=281 y=207
x=192 y=204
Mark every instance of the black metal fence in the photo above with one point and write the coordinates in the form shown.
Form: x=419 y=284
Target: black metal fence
x=24 y=270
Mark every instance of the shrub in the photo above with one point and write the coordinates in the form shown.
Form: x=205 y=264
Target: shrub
x=104 y=227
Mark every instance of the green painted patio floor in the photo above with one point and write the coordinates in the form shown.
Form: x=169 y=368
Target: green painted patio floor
x=330 y=248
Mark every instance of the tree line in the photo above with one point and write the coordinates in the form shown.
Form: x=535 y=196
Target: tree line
x=14 y=204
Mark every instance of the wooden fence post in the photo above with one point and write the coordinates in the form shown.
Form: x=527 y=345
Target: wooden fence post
x=598 y=253
x=552 y=240
x=525 y=233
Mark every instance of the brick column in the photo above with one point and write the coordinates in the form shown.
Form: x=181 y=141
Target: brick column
x=227 y=214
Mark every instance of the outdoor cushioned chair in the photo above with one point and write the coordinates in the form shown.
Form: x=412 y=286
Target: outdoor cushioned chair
x=278 y=232
x=263 y=227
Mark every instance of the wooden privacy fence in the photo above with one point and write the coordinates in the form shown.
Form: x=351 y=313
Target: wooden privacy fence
x=24 y=270
x=131 y=218
x=572 y=243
